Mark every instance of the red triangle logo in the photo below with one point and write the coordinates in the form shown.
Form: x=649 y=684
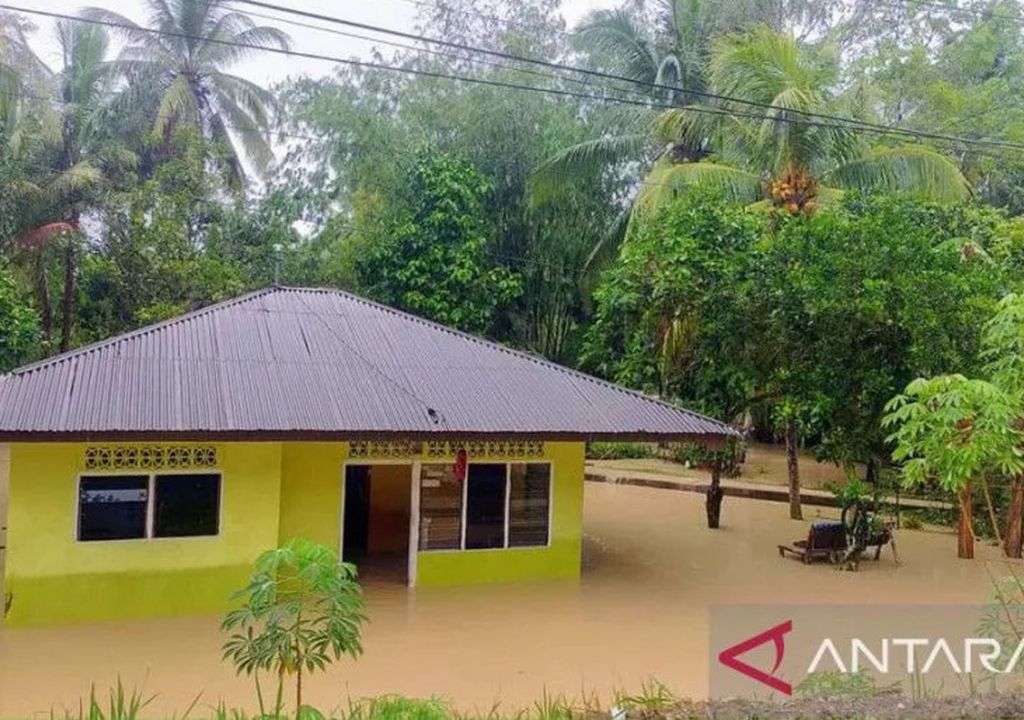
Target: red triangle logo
x=730 y=657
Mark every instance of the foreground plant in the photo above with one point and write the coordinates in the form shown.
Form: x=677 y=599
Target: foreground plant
x=303 y=610
x=954 y=430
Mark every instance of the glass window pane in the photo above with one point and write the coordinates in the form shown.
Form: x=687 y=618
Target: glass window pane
x=530 y=489
x=485 y=506
x=186 y=505
x=440 y=508
x=112 y=507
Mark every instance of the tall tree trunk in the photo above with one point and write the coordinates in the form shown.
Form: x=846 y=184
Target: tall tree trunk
x=965 y=525
x=1012 y=544
x=714 y=495
x=67 y=314
x=43 y=296
x=795 y=511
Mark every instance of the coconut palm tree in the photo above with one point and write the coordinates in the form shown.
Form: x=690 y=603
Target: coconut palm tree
x=183 y=53
x=79 y=155
x=770 y=152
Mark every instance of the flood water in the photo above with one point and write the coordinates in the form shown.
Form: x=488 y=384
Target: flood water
x=651 y=571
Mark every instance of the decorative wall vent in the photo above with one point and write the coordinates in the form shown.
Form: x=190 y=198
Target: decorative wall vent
x=150 y=457
x=446 y=449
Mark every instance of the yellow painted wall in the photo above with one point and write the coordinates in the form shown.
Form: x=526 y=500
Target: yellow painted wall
x=270 y=493
x=54 y=578
x=311 y=497
x=561 y=559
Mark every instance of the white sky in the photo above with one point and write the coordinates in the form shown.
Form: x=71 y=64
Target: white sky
x=266 y=68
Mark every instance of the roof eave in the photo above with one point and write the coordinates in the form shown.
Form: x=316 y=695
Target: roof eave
x=708 y=439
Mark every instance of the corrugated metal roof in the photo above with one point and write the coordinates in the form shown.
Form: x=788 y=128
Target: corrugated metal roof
x=298 y=362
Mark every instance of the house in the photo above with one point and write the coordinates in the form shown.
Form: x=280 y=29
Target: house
x=146 y=472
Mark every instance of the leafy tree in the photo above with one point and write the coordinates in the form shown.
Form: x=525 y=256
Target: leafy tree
x=187 y=66
x=1004 y=350
x=952 y=430
x=303 y=609
x=19 y=326
x=669 y=314
x=435 y=263
x=157 y=252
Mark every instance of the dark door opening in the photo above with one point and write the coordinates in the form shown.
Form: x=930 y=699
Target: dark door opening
x=485 y=506
x=357 y=513
x=378 y=508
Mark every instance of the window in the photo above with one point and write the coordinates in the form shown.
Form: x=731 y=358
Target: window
x=500 y=505
x=186 y=505
x=125 y=507
x=485 y=506
x=112 y=508
x=440 y=508
x=529 y=489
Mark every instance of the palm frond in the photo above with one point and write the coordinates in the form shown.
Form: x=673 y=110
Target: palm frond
x=178 y=103
x=78 y=178
x=584 y=159
x=239 y=132
x=255 y=100
x=121 y=25
x=237 y=47
x=618 y=41
x=667 y=181
x=911 y=169
x=686 y=125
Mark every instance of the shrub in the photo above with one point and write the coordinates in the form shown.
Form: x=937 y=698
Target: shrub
x=618 y=451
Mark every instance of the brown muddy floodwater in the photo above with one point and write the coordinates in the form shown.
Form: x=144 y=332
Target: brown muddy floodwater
x=651 y=571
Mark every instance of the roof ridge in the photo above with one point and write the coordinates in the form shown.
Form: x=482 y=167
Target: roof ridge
x=511 y=351
x=138 y=332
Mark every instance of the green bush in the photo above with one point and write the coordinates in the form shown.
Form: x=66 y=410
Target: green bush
x=618 y=451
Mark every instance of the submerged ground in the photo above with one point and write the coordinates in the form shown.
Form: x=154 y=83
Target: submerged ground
x=652 y=570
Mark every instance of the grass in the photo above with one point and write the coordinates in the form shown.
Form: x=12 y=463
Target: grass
x=822 y=695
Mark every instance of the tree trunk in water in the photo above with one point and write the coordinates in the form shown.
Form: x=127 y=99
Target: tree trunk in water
x=965 y=526
x=67 y=314
x=43 y=296
x=714 y=495
x=795 y=510
x=1012 y=544
x=991 y=511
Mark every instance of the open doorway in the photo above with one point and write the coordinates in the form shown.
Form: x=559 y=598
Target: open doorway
x=375 y=533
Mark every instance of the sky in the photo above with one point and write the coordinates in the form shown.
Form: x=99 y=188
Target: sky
x=266 y=68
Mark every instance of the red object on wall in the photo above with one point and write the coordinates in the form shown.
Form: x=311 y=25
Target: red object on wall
x=459 y=468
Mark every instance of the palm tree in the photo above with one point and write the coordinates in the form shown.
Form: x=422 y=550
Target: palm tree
x=182 y=54
x=773 y=151
x=80 y=155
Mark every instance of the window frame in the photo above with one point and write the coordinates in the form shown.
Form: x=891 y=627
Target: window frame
x=508 y=502
x=150 y=503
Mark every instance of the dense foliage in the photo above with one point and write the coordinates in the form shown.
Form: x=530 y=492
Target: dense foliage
x=720 y=250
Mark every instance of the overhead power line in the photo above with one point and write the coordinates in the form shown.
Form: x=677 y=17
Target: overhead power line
x=563 y=67
x=603 y=98
x=421 y=49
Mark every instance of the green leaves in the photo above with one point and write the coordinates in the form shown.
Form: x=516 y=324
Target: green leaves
x=432 y=259
x=303 y=609
x=952 y=429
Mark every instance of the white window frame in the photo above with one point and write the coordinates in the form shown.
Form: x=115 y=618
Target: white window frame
x=508 y=501
x=150 y=476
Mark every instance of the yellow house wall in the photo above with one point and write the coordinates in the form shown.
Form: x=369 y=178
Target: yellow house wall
x=270 y=492
x=311 y=497
x=561 y=559
x=55 y=578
